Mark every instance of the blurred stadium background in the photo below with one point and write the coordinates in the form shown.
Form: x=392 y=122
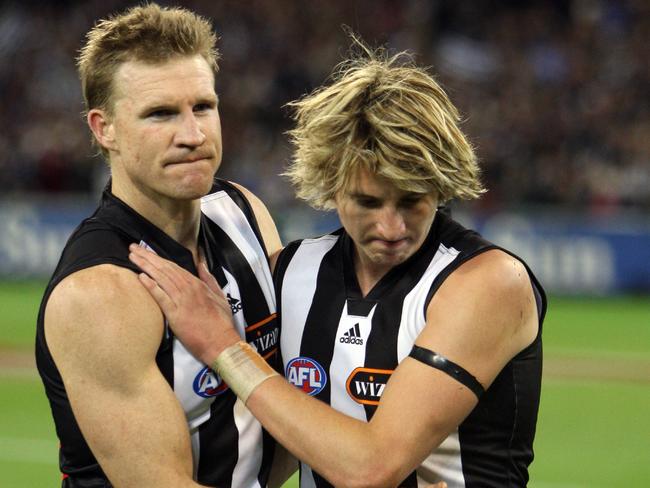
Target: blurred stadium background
x=555 y=96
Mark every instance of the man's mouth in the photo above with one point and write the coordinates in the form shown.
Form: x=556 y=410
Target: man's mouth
x=191 y=160
x=391 y=244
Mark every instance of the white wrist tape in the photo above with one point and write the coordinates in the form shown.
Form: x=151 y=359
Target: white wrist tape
x=242 y=369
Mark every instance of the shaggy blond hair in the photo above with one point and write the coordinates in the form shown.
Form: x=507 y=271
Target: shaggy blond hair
x=387 y=115
x=147 y=33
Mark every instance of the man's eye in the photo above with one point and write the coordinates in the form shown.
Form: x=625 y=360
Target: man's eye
x=369 y=203
x=410 y=202
x=160 y=113
x=203 y=107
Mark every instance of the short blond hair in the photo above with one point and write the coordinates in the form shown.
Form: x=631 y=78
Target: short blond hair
x=147 y=33
x=388 y=115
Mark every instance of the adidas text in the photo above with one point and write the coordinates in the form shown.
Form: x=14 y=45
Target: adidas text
x=351 y=340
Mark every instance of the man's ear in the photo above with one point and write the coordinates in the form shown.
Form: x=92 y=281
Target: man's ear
x=102 y=127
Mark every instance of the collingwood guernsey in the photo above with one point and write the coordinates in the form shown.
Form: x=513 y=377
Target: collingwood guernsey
x=229 y=446
x=342 y=348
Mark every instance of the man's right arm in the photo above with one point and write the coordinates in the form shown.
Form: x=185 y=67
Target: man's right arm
x=103 y=331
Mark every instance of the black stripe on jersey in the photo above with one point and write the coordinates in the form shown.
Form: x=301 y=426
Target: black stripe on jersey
x=89 y=481
x=410 y=482
x=361 y=308
x=216 y=436
x=281 y=265
x=317 y=341
x=268 y=452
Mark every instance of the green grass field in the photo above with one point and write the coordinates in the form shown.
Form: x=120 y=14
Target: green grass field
x=593 y=429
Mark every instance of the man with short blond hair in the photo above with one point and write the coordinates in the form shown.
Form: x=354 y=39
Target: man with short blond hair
x=132 y=407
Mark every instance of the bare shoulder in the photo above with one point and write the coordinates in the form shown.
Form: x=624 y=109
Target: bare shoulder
x=493 y=279
x=484 y=313
x=496 y=272
x=103 y=315
x=264 y=220
x=250 y=196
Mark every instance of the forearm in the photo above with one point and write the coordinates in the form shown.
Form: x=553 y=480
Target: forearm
x=290 y=415
x=346 y=451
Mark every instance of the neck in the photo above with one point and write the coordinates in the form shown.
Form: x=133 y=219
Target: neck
x=179 y=219
x=368 y=274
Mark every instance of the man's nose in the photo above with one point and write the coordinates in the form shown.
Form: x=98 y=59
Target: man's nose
x=190 y=132
x=391 y=224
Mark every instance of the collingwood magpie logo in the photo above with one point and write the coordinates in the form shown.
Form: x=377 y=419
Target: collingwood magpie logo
x=352 y=336
x=235 y=304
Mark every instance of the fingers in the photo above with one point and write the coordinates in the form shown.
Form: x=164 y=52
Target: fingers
x=165 y=303
x=209 y=280
x=166 y=274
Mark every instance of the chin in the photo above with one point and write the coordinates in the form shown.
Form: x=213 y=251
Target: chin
x=193 y=188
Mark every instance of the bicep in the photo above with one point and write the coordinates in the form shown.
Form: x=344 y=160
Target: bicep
x=482 y=315
x=103 y=332
x=419 y=408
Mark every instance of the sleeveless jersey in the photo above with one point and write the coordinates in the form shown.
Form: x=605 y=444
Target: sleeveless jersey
x=342 y=347
x=229 y=446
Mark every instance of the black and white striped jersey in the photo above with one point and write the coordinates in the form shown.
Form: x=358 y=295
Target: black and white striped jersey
x=342 y=348
x=229 y=445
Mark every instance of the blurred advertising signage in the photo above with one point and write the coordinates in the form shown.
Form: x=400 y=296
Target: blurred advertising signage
x=568 y=253
x=572 y=256
x=33 y=234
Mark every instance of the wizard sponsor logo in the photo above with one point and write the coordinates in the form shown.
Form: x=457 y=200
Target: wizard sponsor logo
x=366 y=385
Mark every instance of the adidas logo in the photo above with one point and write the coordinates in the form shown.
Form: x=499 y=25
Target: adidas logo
x=352 y=336
x=235 y=304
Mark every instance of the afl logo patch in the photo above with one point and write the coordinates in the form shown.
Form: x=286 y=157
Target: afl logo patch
x=306 y=374
x=365 y=385
x=208 y=383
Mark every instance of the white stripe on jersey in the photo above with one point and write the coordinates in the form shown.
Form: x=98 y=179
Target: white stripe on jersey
x=232 y=289
x=250 y=433
x=186 y=369
x=306 y=477
x=413 y=314
x=445 y=462
x=195 y=440
x=224 y=212
x=298 y=289
x=346 y=357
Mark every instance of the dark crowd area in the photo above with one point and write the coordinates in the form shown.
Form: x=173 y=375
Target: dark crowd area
x=554 y=94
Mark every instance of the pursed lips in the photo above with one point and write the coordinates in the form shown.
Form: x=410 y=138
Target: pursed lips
x=188 y=160
x=391 y=244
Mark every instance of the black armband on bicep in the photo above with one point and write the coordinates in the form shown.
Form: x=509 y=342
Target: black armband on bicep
x=448 y=367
